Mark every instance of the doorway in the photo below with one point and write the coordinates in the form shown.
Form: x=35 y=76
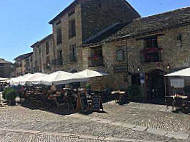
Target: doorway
x=155 y=86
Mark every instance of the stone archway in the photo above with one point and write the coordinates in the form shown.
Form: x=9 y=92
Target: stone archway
x=155 y=85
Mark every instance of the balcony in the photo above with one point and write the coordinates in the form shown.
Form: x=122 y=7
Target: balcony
x=95 y=61
x=151 y=55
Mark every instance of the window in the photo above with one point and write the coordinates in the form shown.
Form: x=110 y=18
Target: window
x=179 y=37
x=151 y=51
x=151 y=42
x=59 y=36
x=39 y=51
x=72 y=29
x=59 y=57
x=47 y=47
x=120 y=55
x=47 y=62
x=73 y=53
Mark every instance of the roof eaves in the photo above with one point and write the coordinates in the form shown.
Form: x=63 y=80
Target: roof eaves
x=75 y=2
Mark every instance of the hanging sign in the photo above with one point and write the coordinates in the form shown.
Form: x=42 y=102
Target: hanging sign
x=142 y=78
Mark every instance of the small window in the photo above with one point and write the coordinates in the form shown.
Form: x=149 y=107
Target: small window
x=59 y=36
x=73 y=53
x=179 y=37
x=47 y=47
x=120 y=55
x=72 y=29
x=47 y=62
x=39 y=51
x=151 y=42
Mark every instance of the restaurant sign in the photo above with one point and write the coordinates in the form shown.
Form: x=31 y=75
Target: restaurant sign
x=120 y=68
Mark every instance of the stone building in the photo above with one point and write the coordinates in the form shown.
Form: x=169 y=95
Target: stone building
x=81 y=20
x=44 y=55
x=142 y=52
x=23 y=64
x=5 y=68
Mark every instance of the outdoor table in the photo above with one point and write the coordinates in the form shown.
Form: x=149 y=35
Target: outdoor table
x=177 y=101
x=119 y=96
x=179 y=96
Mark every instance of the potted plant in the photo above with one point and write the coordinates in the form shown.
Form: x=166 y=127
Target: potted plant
x=10 y=94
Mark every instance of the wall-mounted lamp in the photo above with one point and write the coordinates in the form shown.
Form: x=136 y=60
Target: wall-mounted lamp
x=168 y=66
x=138 y=68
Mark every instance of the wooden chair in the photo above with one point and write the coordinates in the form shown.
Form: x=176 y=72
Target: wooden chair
x=169 y=101
x=178 y=102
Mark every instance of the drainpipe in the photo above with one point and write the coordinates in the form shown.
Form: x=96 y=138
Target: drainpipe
x=127 y=55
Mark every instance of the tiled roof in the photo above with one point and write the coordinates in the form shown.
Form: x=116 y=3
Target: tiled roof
x=3 y=61
x=154 y=23
x=44 y=39
x=104 y=33
x=24 y=56
x=75 y=2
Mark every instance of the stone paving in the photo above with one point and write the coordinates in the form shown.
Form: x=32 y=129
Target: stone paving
x=132 y=122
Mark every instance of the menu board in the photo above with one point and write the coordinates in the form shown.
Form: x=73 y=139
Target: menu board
x=96 y=101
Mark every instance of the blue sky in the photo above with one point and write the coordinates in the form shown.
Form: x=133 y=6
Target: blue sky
x=23 y=22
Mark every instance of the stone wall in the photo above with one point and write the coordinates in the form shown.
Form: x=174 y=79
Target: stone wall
x=175 y=53
x=5 y=70
x=89 y=20
x=40 y=56
x=100 y=14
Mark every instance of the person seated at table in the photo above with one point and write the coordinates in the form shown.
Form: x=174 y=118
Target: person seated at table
x=53 y=89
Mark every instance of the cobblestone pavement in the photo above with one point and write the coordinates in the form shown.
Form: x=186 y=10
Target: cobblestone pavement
x=128 y=123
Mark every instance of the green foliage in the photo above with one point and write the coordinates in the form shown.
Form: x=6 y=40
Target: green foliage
x=134 y=93
x=88 y=86
x=9 y=94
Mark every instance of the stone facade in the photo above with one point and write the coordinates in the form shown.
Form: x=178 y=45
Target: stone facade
x=23 y=64
x=5 y=68
x=141 y=64
x=44 y=55
x=97 y=15
x=89 y=18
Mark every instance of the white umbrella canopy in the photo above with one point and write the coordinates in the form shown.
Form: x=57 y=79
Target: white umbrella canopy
x=56 y=78
x=183 y=72
x=36 y=78
x=15 y=81
x=3 y=79
x=25 y=77
x=88 y=74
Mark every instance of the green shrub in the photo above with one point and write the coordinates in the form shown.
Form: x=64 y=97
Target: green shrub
x=134 y=93
x=9 y=94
